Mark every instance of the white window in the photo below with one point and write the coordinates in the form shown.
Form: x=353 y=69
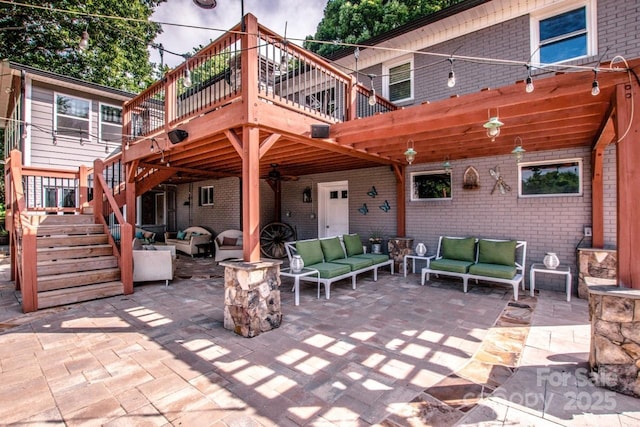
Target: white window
x=397 y=81
x=110 y=124
x=72 y=116
x=550 y=178
x=564 y=34
x=206 y=195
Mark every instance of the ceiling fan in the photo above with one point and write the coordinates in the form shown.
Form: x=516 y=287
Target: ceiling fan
x=275 y=175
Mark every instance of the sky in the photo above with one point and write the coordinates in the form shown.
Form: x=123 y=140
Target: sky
x=301 y=17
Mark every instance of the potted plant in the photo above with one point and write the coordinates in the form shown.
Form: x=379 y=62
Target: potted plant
x=375 y=239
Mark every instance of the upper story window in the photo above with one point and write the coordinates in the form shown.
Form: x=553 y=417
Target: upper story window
x=110 y=124
x=397 y=83
x=564 y=35
x=72 y=116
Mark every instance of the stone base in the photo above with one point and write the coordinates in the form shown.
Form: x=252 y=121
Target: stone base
x=596 y=266
x=614 y=357
x=252 y=297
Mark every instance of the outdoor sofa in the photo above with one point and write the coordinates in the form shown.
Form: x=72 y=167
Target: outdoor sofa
x=228 y=245
x=153 y=262
x=493 y=260
x=187 y=240
x=336 y=258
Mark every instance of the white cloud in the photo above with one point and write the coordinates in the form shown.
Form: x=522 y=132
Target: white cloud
x=301 y=18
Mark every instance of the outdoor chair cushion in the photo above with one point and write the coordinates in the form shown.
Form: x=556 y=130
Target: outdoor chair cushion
x=327 y=270
x=352 y=244
x=332 y=249
x=356 y=263
x=459 y=249
x=493 y=270
x=310 y=252
x=376 y=258
x=453 y=265
x=501 y=253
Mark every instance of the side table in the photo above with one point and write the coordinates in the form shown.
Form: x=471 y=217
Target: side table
x=296 y=279
x=541 y=268
x=427 y=258
x=208 y=248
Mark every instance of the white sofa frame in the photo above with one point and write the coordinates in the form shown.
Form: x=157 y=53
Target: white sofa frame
x=519 y=278
x=190 y=246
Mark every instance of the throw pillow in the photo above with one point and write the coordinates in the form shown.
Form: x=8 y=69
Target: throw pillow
x=139 y=235
x=332 y=249
x=229 y=241
x=148 y=235
x=502 y=253
x=239 y=242
x=459 y=249
x=352 y=244
x=181 y=235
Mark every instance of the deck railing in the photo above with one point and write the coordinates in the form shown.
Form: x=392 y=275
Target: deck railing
x=287 y=75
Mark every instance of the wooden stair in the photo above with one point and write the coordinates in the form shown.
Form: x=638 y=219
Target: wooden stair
x=75 y=261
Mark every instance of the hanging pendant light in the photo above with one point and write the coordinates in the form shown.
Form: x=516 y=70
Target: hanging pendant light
x=410 y=154
x=518 y=151
x=447 y=166
x=493 y=127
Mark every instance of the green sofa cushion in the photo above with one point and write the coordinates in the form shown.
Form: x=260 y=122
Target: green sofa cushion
x=352 y=244
x=459 y=249
x=376 y=258
x=502 y=253
x=332 y=249
x=453 y=265
x=493 y=270
x=310 y=251
x=330 y=270
x=356 y=263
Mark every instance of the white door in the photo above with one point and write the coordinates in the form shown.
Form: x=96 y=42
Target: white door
x=333 y=208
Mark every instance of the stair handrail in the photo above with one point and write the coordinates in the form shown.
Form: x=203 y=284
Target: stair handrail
x=22 y=235
x=123 y=242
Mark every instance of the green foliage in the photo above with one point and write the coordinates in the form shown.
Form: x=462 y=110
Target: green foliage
x=48 y=39
x=554 y=182
x=353 y=21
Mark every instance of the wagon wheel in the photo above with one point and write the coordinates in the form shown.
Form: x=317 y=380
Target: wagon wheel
x=273 y=237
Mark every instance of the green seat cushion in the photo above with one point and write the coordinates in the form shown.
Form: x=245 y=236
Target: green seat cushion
x=310 y=251
x=332 y=249
x=493 y=270
x=352 y=244
x=375 y=258
x=329 y=270
x=502 y=253
x=452 y=265
x=459 y=249
x=356 y=263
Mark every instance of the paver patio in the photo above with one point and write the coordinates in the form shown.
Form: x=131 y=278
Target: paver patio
x=375 y=355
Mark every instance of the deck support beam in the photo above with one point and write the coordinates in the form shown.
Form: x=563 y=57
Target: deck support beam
x=628 y=180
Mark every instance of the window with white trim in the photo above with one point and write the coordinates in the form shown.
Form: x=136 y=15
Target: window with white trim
x=550 y=178
x=72 y=116
x=564 y=35
x=398 y=80
x=206 y=195
x=110 y=124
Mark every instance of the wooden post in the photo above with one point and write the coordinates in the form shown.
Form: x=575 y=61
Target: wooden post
x=628 y=182
x=398 y=171
x=98 y=169
x=83 y=182
x=597 y=198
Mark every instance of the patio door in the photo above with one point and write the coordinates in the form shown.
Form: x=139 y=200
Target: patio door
x=333 y=208
x=160 y=209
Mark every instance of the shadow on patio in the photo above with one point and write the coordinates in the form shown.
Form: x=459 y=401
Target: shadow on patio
x=379 y=354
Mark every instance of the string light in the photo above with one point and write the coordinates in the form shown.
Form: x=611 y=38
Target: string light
x=595 y=87
x=451 y=81
x=529 y=84
x=84 y=41
x=187 y=78
x=372 y=97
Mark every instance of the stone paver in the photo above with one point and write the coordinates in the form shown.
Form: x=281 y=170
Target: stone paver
x=367 y=356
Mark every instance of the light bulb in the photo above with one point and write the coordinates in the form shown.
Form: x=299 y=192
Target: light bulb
x=595 y=88
x=372 y=98
x=529 y=87
x=451 y=82
x=187 y=78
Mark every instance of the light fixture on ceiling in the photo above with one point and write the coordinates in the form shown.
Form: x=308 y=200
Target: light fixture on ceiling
x=595 y=87
x=518 y=151
x=410 y=154
x=451 y=81
x=447 y=166
x=372 y=97
x=177 y=135
x=210 y=4
x=493 y=127
x=529 y=82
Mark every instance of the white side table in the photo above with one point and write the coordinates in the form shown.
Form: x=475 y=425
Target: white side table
x=296 y=279
x=427 y=258
x=541 y=268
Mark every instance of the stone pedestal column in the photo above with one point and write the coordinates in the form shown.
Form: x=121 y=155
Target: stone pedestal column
x=398 y=248
x=593 y=263
x=252 y=297
x=614 y=357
